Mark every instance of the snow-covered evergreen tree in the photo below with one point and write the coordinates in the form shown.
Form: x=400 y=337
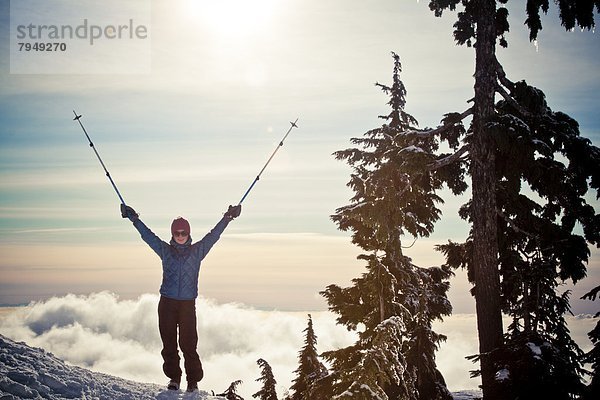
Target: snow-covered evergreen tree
x=267 y=392
x=544 y=169
x=482 y=24
x=394 y=302
x=311 y=370
x=380 y=370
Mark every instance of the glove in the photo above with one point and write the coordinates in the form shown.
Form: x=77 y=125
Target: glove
x=233 y=211
x=128 y=212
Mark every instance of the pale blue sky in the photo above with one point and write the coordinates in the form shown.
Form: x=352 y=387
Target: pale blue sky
x=188 y=138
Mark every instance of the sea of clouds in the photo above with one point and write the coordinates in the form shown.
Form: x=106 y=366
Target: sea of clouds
x=120 y=337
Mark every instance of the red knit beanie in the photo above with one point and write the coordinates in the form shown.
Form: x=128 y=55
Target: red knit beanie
x=180 y=224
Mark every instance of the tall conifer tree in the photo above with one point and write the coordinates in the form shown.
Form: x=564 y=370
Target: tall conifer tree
x=395 y=301
x=486 y=23
x=540 y=152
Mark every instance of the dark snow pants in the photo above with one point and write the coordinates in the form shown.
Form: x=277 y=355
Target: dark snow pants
x=173 y=314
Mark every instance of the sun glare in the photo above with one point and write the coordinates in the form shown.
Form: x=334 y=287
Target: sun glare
x=232 y=17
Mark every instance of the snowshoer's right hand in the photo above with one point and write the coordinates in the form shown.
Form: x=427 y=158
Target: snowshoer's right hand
x=128 y=212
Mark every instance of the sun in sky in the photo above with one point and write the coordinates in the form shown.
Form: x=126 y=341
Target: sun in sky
x=233 y=18
x=239 y=35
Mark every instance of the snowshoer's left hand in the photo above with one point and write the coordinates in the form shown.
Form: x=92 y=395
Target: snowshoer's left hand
x=233 y=211
x=128 y=212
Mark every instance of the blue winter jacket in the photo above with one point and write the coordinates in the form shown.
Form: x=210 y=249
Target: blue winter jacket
x=181 y=262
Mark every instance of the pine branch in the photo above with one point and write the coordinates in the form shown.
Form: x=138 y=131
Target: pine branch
x=503 y=78
x=503 y=83
x=440 y=129
x=515 y=227
x=500 y=89
x=591 y=295
x=448 y=160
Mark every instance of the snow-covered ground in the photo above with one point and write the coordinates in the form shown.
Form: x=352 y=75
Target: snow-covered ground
x=467 y=395
x=30 y=373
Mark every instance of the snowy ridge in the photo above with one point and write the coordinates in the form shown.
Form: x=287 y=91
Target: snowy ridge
x=31 y=373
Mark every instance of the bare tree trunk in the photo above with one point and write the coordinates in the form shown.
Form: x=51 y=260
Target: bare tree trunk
x=485 y=244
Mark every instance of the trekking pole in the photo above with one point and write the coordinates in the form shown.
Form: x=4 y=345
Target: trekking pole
x=78 y=119
x=293 y=125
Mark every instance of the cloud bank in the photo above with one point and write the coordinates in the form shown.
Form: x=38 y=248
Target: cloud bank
x=120 y=337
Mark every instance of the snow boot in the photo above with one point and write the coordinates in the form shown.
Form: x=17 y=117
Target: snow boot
x=173 y=385
x=192 y=387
